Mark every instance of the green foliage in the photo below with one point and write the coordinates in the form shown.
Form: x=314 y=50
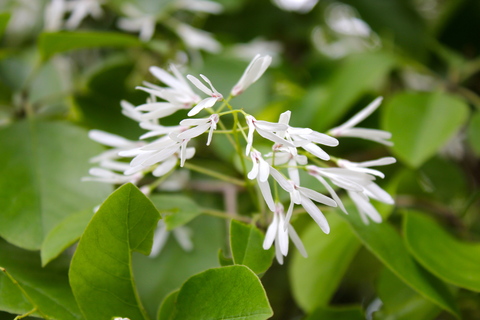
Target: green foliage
x=246 y=245
x=347 y=313
x=41 y=165
x=176 y=210
x=4 y=18
x=315 y=279
x=421 y=123
x=222 y=293
x=474 y=133
x=437 y=251
x=101 y=271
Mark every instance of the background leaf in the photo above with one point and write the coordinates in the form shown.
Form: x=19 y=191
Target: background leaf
x=315 y=279
x=41 y=166
x=246 y=242
x=223 y=293
x=101 y=272
x=4 y=18
x=167 y=308
x=329 y=313
x=421 y=123
x=453 y=261
x=474 y=133
x=176 y=210
x=48 y=287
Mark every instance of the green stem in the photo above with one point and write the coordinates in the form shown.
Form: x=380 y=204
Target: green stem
x=214 y=174
x=224 y=215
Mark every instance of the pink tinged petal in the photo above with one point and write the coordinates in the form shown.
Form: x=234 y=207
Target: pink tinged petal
x=368 y=110
x=365 y=206
x=252 y=73
x=254 y=172
x=109 y=139
x=316 y=151
x=193 y=132
x=332 y=193
x=165 y=167
x=264 y=170
x=204 y=104
x=215 y=93
x=197 y=83
x=316 y=214
x=289 y=215
x=266 y=193
x=318 y=197
x=282 y=235
x=281 y=180
x=271 y=233
x=295 y=196
x=251 y=130
x=297 y=241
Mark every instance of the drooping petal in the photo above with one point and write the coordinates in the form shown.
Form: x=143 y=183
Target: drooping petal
x=316 y=214
x=297 y=241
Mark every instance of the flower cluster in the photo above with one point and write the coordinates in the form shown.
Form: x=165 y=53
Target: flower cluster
x=295 y=151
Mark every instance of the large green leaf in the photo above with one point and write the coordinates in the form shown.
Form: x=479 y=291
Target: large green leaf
x=386 y=244
x=358 y=75
x=176 y=210
x=421 y=123
x=453 y=261
x=315 y=279
x=41 y=166
x=64 y=234
x=329 y=313
x=47 y=288
x=51 y=43
x=232 y=292
x=246 y=243
x=4 y=18
x=399 y=302
x=474 y=133
x=167 y=308
x=101 y=271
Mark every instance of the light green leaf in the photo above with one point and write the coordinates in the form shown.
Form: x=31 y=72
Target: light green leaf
x=449 y=259
x=167 y=309
x=246 y=242
x=51 y=43
x=48 y=287
x=4 y=18
x=358 y=75
x=41 y=167
x=474 y=133
x=223 y=260
x=331 y=313
x=64 y=234
x=421 y=123
x=176 y=210
x=315 y=279
x=101 y=272
x=233 y=292
x=399 y=302
x=386 y=244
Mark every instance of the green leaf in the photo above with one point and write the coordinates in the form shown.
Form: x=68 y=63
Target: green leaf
x=329 y=313
x=451 y=260
x=357 y=76
x=246 y=242
x=167 y=307
x=315 y=279
x=41 y=166
x=474 y=133
x=101 y=271
x=223 y=260
x=386 y=244
x=4 y=18
x=51 y=43
x=399 y=302
x=47 y=288
x=176 y=210
x=421 y=123
x=233 y=292
x=64 y=234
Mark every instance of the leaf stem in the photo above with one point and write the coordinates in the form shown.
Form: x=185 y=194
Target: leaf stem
x=214 y=174
x=224 y=215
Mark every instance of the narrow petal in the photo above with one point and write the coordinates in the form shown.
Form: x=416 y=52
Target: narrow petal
x=204 y=104
x=197 y=83
x=316 y=214
x=271 y=233
x=365 y=206
x=282 y=235
x=318 y=197
x=267 y=194
x=109 y=139
x=332 y=193
x=297 y=241
x=368 y=110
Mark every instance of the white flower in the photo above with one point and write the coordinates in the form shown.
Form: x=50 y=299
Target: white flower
x=201 y=125
x=109 y=176
x=253 y=72
x=347 y=129
x=363 y=166
x=182 y=235
x=261 y=171
x=267 y=130
x=137 y=21
x=118 y=144
x=54 y=12
x=199 y=6
x=278 y=234
x=302 y=6
x=197 y=39
x=282 y=155
x=80 y=9
x=207 y=102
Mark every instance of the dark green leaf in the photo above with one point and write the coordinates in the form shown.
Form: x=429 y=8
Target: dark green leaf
x=167 y=309
x=64 y=234
x=246 y=242
x=399 y=302
x=421 y=123
x=51 y=43
x=233 y=292
x=176 y=210
x=47 y=287
x=315 y=279
x=329 y=313
x=101 y=271
x=41 y=166
x=453 y=261
x=387 y=245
